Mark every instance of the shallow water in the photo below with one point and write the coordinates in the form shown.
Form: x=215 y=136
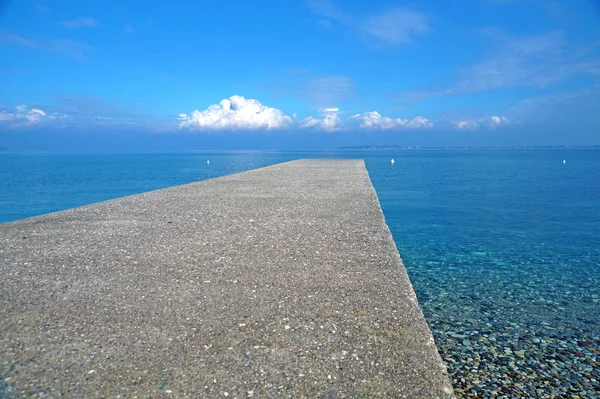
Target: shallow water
x=502 y=246
x=503 y=249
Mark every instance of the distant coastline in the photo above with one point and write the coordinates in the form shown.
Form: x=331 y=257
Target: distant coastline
x=516 y=147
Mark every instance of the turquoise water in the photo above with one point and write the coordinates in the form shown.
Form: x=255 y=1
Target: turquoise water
x=502 y=246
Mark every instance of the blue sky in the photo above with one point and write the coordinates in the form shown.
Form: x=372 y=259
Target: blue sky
x=310 y=74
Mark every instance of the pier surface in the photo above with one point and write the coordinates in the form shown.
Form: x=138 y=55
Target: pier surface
x=278 y=282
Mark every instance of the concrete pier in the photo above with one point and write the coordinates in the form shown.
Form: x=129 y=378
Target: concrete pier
x=278 y=282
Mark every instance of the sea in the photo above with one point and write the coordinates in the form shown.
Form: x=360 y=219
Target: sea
x=502 y=245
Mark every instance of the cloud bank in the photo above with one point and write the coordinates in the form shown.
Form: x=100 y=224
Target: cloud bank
x=236 y=113
x=239 y=113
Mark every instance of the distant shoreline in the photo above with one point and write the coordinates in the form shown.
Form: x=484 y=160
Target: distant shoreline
x=516 y=147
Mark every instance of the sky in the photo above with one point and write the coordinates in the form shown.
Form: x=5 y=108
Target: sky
x=268 y=74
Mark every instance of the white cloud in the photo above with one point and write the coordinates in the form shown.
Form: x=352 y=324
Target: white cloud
x=25 y=115
x=35 y=115
x=418 y=122
x=330 y=110
x=236 y=112
x=466 y=125
x=488 y=121
x=495 y=121
x=373 y=120
x=329 y=121
x=370 y=120
x=6 y=116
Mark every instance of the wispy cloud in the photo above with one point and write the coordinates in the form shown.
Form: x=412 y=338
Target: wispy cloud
x=17 y=40
x=318 y=91
x=68 y=47
x=92 y=111
x=535 y=61
x=80 y=113
x=27 y=115
x=128 y=29
x=396 y=26
x=328 y=9
x=556 y=99
x=552 y=106
x=516 y=61
x=85 y=22
x=571 y=112
x=392 y=26
x=327 y=90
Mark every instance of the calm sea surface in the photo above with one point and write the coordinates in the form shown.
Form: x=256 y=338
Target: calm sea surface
x=502 y=246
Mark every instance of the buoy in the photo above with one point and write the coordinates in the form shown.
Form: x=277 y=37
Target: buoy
x=564 y=161
x=208 y=162
x=392 y=161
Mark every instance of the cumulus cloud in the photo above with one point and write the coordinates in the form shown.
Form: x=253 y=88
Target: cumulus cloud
x=489 y=122
x=236 y=112
x=328 y=121
x=466 y=125
x=374 y=120
x=417 y=122
x=25 y=115
x=495 y=121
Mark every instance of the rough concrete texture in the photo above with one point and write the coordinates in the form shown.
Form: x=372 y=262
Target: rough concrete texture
x=278 y=282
